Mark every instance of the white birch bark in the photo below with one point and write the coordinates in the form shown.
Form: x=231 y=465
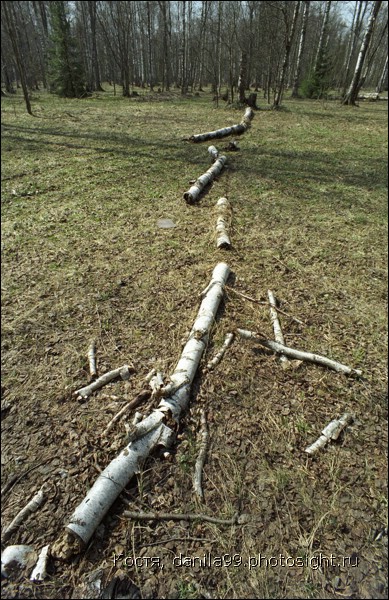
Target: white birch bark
x=222 y=224
x=225 y=131
x=193 y=193
x=213 y=152
x=22 y=515
x=39 y=573
x=278 y=335
x=198 y=474
x=330 y=432
x=123 y=372
x=151 y=431
x=299 y=354
x=92 y=359
x=217 y=358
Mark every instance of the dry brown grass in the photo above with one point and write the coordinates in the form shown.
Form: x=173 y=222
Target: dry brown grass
x=84 y=183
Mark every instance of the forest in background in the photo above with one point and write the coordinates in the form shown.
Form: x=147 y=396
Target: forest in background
x=307 y=47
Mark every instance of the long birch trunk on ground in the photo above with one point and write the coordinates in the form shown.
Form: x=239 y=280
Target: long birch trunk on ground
x=194 y=192
x=222 y=223
x=154 y=430
x=220 y=133
x=299 y=354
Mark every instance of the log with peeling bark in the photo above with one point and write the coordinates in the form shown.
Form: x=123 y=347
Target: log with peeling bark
x=195 y=190
x=198 y=473
x=220 y=133
x=157 y=429
x=123 y=372
x=299 y=354
x=278 y=335
x=222 y=224
x=92 y=359
x=217 y=358
x=330 y=432
x=26 y=511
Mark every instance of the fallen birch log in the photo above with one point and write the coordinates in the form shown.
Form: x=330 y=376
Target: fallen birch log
x=220 y=133
x=222 y=224
x=26 y=511
x=123 y=372
x=330 y=432
x=193 y=193
x=150 y=432
x=213 y=152
x=278 y=335
x=198 y=473
x=217 y=358
x=92 y=359
x=299 y=354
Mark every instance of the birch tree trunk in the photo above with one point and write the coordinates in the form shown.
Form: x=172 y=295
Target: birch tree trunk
x=352 y=92
x=289 y=35
x=154 y=430
x=297 y=76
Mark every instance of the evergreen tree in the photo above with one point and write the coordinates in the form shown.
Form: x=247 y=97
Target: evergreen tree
x=318 y=82
x=65 y=71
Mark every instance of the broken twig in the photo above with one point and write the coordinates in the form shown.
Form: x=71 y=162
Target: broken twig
x=123 y=372
x=278 y=335
x=299 y=354
x=217 y=358
x=201 y=457
x=22 y=515
x=331 y=432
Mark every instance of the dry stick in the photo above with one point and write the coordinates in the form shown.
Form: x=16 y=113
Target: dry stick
x=15 y=479
x=193 y=193
x=123 y=372
x=92 y=359
x=201 y=457
x=22 y=515
x=141 y=397
x=278 y=335
x=141 y=516
x=330 y=432
x=299 y=354
x=216 y=359
x=230 y=289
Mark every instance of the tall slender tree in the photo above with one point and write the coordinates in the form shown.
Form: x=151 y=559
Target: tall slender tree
x=355 y=85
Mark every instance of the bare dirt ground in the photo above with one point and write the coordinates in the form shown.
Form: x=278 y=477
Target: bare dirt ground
x=83 y=186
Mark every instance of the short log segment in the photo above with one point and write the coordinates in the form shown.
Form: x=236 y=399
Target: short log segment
x=330 y=432
x=193 y=193
x=151 y=431
x=223 y=222
x=299 y=354
x=233 y=130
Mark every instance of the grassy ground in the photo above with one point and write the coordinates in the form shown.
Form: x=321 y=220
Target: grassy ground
x=83 y=186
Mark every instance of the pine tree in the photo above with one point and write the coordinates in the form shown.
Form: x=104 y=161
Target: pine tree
x=65 y=71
